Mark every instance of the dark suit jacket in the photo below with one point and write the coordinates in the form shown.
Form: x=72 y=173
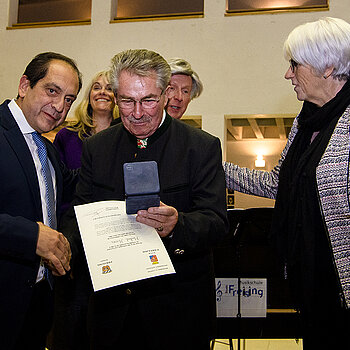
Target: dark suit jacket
x=191 y=180
x=20 y=209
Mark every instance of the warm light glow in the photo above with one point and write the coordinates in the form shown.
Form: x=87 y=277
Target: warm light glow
x=284 y=3
x=260 y=161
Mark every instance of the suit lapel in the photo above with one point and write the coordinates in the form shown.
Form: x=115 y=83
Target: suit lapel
x=19 y=146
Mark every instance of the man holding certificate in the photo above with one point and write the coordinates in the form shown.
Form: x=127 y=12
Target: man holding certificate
x=171 y=311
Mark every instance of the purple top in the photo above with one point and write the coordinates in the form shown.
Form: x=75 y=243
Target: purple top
x=69 y=147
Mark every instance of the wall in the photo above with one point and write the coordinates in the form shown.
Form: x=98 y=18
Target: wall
x=239 y=58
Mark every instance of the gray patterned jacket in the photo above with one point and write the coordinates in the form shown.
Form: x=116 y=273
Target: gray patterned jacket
x=332 y=175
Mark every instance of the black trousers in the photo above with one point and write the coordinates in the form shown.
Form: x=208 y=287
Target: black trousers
x=38 y=319
x=325 y=322
x=136 y=325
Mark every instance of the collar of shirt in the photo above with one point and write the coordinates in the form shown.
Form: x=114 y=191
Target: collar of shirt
x=163 y=126
x=164 y=115
x=20 y=118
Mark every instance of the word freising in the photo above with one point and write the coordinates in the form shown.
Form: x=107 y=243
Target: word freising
x=245 y=292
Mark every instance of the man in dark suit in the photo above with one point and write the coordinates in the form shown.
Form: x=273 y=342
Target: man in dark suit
x=32 y=183
x=174 y=311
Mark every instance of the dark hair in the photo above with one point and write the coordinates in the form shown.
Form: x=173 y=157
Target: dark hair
x=39 y=65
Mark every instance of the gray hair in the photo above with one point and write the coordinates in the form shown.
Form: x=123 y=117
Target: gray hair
x=321 y=44
x=141 y=62
x=180 y=66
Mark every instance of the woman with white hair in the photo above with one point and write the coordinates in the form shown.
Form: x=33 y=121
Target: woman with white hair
x=184 y=86
x=311 y=223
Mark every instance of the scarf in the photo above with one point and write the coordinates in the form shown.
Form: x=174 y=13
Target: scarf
x=297 y=219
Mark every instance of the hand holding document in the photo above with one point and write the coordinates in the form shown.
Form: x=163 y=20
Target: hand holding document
x=118 y=249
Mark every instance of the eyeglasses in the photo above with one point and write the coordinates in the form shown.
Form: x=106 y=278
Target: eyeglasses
x=293 y=65
x=129 y=103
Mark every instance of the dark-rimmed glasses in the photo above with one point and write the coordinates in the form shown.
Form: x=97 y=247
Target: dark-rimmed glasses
x=293 y=65
x=146 y=103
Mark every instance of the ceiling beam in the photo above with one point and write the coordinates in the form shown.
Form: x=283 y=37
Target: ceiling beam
x=254 y=125
x=236 y=132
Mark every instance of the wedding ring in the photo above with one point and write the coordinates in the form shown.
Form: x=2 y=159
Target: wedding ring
x=159 y=229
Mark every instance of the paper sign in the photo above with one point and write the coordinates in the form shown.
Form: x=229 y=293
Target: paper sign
x=249 y=293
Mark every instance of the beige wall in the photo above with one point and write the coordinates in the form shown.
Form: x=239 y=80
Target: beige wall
x=239 y=58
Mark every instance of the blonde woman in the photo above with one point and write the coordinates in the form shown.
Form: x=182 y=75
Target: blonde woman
x=94 y=113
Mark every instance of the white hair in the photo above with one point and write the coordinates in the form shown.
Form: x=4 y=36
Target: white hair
x=321 y=44
x=180 y=66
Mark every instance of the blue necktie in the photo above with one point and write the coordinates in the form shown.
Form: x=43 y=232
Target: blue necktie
x=49 y=192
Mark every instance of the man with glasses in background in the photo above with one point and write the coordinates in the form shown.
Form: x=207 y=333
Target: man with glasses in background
x=174 y=311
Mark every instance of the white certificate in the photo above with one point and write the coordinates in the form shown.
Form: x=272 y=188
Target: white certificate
x=119 y=249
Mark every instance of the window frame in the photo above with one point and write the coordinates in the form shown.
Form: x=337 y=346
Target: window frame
x=320 y=5
x=14 y=24
x=152 y=17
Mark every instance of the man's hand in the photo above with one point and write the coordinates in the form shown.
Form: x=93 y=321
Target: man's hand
x=162 y=218
x=54 y=249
